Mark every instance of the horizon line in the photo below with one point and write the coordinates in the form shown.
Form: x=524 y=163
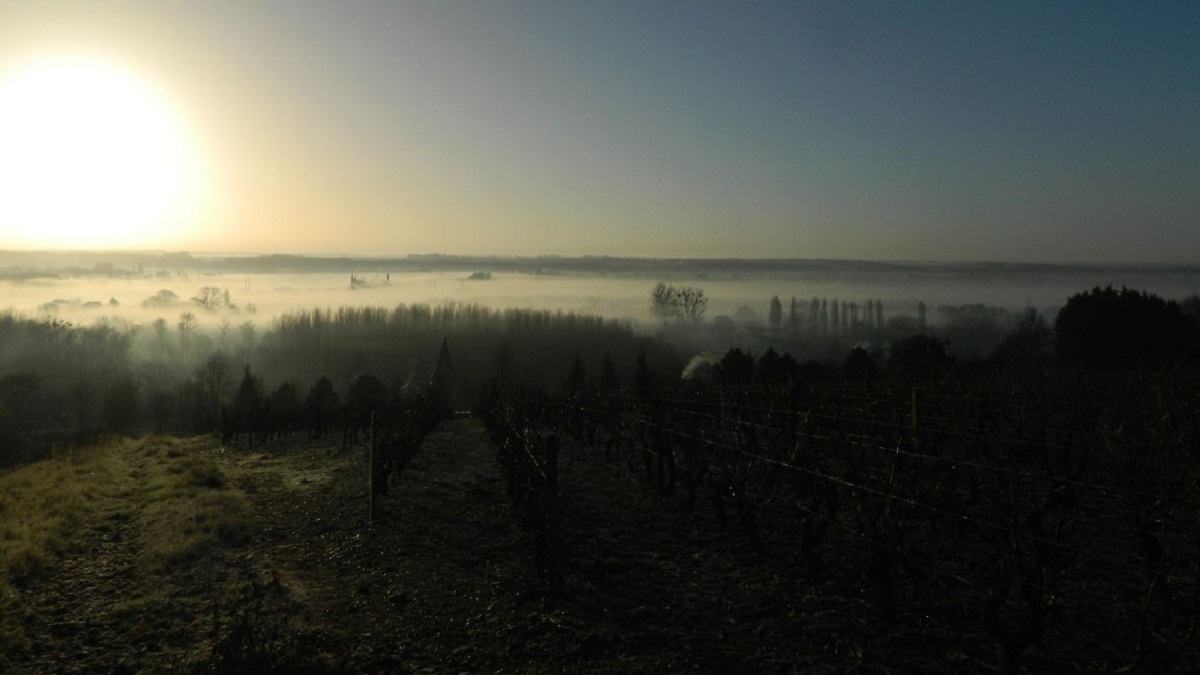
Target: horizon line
x=585 y=256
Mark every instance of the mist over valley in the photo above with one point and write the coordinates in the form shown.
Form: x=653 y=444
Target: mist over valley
x=79 y=286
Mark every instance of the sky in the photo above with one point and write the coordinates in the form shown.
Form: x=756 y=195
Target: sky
x=959 y=131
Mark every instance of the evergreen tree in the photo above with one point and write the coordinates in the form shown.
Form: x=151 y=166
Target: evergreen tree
x=576 y=377
x=1105 y=328
x=609 y=379
x=858 y=366
x=736 y=367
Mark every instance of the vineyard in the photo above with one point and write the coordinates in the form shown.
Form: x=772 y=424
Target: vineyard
x=1042 y=524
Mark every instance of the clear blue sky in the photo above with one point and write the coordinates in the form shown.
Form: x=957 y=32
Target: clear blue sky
x=1015 y=131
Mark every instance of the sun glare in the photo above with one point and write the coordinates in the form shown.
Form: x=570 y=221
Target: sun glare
x=91 y=157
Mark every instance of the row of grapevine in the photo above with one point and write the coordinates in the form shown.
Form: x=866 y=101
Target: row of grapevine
x=530 y=460
x=396 y=434
x=1054 y=518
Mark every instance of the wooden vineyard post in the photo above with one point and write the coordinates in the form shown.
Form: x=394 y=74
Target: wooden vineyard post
x=916 y=443
x=555 y=573
x=371 y=473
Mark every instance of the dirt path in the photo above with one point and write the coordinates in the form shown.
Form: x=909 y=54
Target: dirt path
x=82 y=616
x=442 y=581
x=436 y=583
x=104 y=607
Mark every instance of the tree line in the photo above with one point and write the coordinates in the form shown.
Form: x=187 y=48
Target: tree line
x=61 y=382
x=1098 y=329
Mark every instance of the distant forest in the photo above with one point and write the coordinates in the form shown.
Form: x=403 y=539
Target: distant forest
x=60 y=382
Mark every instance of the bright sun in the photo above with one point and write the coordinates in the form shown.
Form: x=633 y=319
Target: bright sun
x=91 y=157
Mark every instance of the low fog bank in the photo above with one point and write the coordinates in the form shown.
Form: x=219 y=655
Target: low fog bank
x=82 y=287
x=812 y=309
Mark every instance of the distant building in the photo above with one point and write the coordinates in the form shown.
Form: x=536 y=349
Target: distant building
x=370 y=280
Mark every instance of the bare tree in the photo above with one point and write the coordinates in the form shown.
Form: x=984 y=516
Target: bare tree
x=187 y=326
x=119 y=407
x=215 y=379
x=160 y=333
x=686 y=302
x=211 y=297
x=692 y=303
x=664 y=301
x=247 y=331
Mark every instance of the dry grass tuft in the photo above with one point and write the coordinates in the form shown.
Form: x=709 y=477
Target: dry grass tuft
x=44 y=505
x=202 y=473
x=175 y=500
x=43 y=508
x=184 y=530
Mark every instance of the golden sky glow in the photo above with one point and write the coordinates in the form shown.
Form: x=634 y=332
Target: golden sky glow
x=904 y=131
